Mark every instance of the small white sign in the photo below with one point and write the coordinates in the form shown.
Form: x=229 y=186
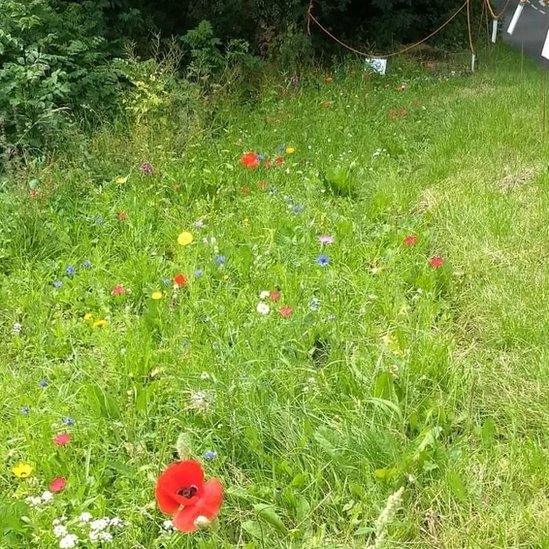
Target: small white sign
x=545 y=51
x=377 y=65
x=494 y=30
x=515 y=19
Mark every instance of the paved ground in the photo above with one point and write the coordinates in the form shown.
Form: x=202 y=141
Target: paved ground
x=531 y=30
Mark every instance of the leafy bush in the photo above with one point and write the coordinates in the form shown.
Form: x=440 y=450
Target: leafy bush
x=53 y=59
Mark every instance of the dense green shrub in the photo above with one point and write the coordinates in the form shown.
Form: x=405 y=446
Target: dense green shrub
x=54 y=59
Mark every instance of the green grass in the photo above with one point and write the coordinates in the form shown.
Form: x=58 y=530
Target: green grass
x=405 y=376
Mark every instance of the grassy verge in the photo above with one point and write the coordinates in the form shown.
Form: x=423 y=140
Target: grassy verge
x=388 y=373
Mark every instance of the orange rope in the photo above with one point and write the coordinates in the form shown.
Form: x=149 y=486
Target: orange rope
x=493 y=13
x=469 y=29
x=311 y=17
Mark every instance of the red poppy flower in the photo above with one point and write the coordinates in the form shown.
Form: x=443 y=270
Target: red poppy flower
x=118 y=290
x=279 y=160
x=250 y=160
x=436 y=262
x=122 y=216
x=58 y=484
x=182 y=493
x=62 y=439
x=410 y=240
x=274 y=295
x=285 y=311
x=179 y=280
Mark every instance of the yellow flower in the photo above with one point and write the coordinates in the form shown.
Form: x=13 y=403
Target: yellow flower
x=121 y=179
x=290 y=150
x=88 y=316
x=22 y=470
x=100 y=323
x=184 y=238
x=156 y=295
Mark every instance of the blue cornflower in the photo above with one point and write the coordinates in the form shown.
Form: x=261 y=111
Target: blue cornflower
x=70 y=270
x=210 y=455
x=297 y=208
x=87 y=264
x=287 y=198
x=314 y=304
x=43 y=383
x=323 y=260
x=68 y=421
x=57 y=284
x=166 y=281
x=25 y=410
x=99 y=219
x=220 y=260
x=198 y=273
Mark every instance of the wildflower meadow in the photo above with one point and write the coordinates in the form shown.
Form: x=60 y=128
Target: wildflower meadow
x=314 y=319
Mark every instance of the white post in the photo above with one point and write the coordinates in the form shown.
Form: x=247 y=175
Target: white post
x=515 y=19
x=473 y=61
x=545 y=51
x=494 y=30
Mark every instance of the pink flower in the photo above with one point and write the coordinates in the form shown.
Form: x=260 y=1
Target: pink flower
x=62 y=439
x=410 y=240
x=326 y=239
x=118 y=290
x=285 y=311
x=436 y=262
x=146 y=168
x=58 y=484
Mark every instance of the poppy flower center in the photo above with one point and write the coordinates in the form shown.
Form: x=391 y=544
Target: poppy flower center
x=188 y=492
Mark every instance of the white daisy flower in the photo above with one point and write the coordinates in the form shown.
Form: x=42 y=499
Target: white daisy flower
x=263 y=308
x=68 y=542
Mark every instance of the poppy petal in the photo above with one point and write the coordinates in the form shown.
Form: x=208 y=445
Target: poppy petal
x=208 y=506
x=177 y=476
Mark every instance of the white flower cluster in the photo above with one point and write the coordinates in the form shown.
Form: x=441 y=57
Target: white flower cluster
x=39 y=501
x=200 y=401
x=263 y=308
x=97 y=531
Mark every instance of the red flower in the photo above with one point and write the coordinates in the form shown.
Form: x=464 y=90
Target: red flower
x=62 y=439
x=179 y=280
x=33 y=193
x=118 y=290
x=436 y=262
x=285 y=311
x=58 y=484
x=250 y=160
x=182 y=493
x=122 y=216
x=279 y=160
x=410 y=240
x=275 y=295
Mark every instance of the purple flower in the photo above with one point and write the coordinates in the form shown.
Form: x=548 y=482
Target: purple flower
x=326 y=239
x=146 y=168
x=70 y=270
x=220 y=260
x=68 y=421
x=210 y=455
x=323 y=260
